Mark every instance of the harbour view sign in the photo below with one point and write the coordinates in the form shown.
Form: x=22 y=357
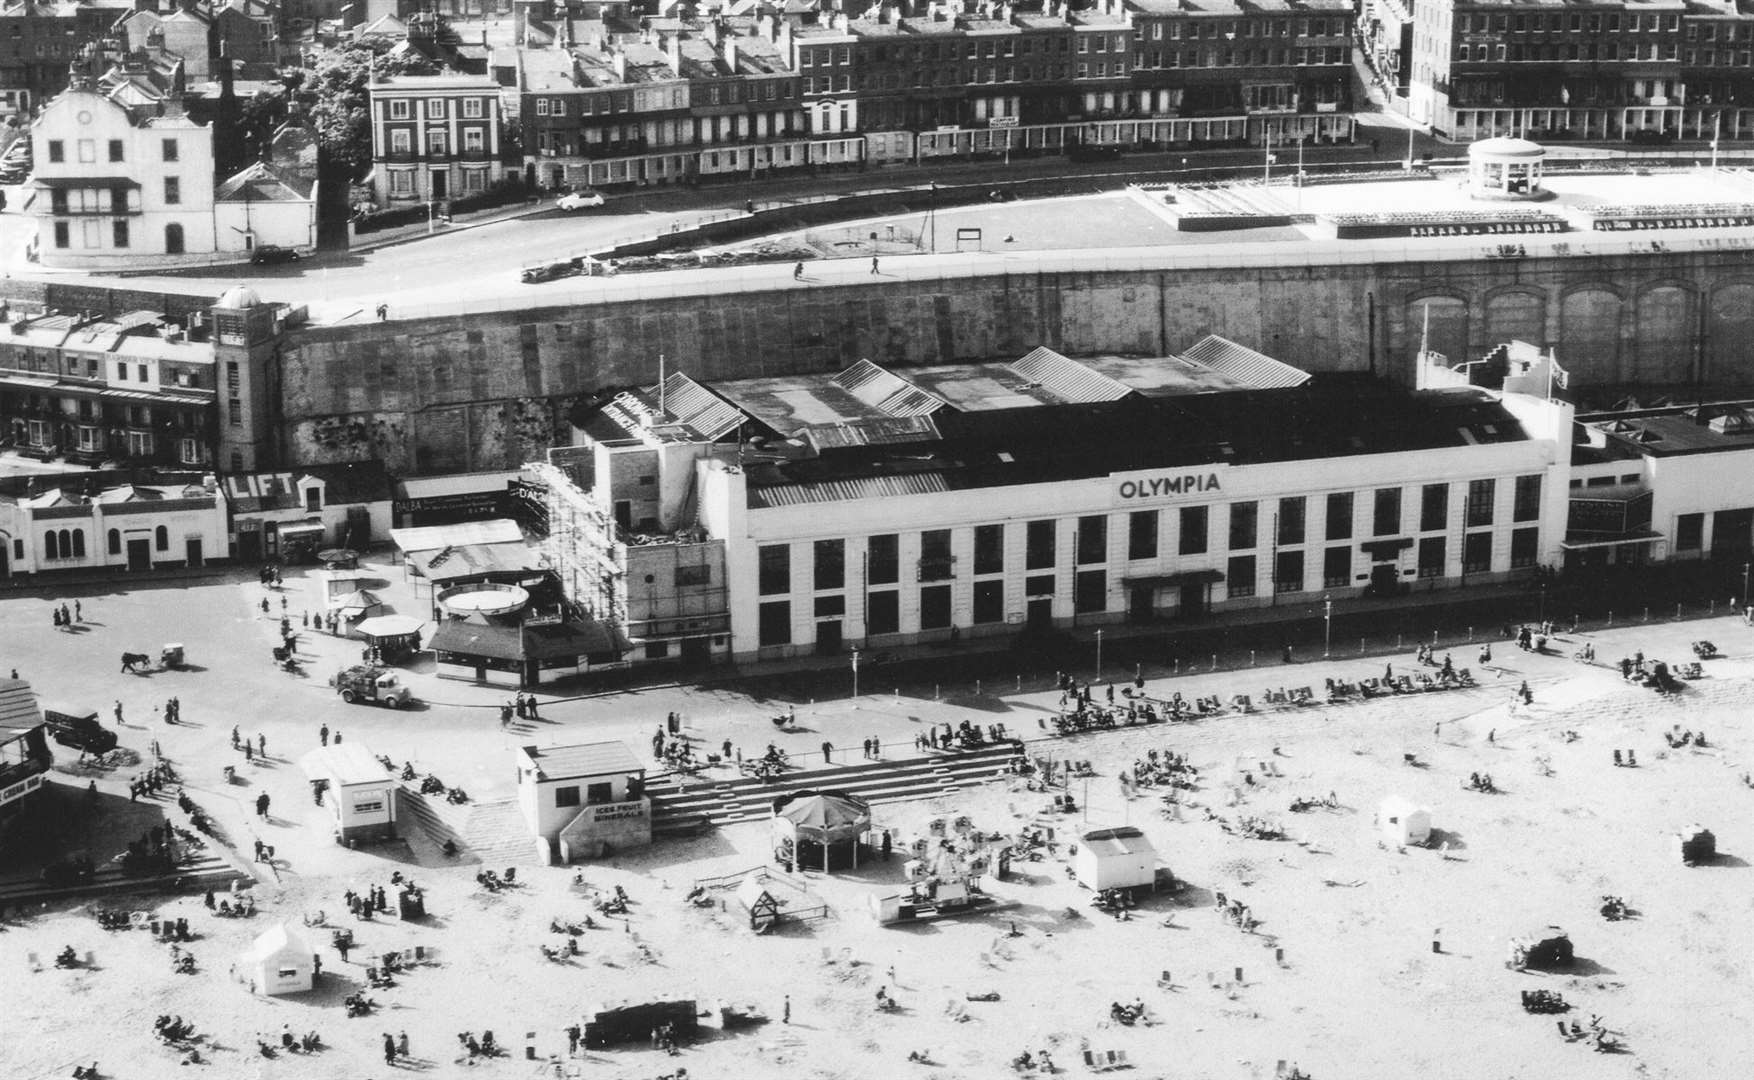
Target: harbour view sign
x=1203 y=480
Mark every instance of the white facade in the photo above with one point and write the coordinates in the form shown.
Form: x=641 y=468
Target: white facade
x=118 y=191
x=134 y=528
x=1470 y=540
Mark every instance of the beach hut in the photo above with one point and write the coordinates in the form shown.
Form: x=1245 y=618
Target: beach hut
x=359 y=793
x=396 y=637
x=1403 y=822
x=820 y=828
x=356 y=605
x=278 y=962
x=1695 y=844
x=1114 y=859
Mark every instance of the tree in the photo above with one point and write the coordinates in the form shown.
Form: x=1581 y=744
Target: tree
x=339 y=105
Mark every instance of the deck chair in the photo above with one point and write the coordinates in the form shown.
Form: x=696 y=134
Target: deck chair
x=1165 y=981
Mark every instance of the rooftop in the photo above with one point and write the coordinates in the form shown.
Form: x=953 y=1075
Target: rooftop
x=1670 y=432
x=1330 y=416
x=582 y=760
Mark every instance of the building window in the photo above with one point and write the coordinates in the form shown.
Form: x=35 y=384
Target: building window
x=1477 y=553
x=1193 y=530
x=1340 y=515
x=1336 y=567
x=87 y=150
x=57 y=150
x=774 y=577
x=1433 y=507
x=161 y=539
x=63 y=236
x=600 y=793
x=989 y=601
x=882 y=560
x=1290 y=523
x=1527 y=506
x=173 y=190
x=935 y=607
x=693 y=576
x=1239 y=577
x=115 y=541
x=831 y=564
x=399 y=109
x=1431 y=557
x=1142 y=534
x=1385 y=519
x=119 y=233
x=1689 y=532
x=1039 y=546
x=1481 y=494
x=883 y=612
x=936 y=562
x=401 y=141
x=170 y=149
x=435 y=108
x=472 y=108
x=115 y=149
x=1524 y=546
x=566 y=796
x=1244 y=525
x=775 y=619
x=1288 y=572
x=1092 y=540
x=1090 y=592
x=989 y=549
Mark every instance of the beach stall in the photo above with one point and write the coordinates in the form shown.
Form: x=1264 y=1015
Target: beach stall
x=1544 y=948
x=1696 y=844
x=1119 y=858
x=395 y=637
x=278 y=962
x=356 y=789
x=1402 y=822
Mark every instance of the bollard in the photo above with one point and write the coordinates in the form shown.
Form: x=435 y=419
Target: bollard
x=1251 y=658
x=1020 y=684
x=935 y=696
x=1360 y=646
x=1175 y=666
x=1714 y=607
x=1397 y=643
x=1239 y=976
x=1647 y=614
x=1214 y=661
x=1610 y=618
x=977 y=688
x=1279 y=955
x=1677 y=612
x=1470 y=634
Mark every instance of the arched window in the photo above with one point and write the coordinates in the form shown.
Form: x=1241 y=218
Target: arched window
x=173 y=239
x=78 y=543
x=161 y=538
x=51 y=545
x=115 y=541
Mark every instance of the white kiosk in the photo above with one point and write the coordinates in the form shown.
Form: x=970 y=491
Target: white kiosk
x=358 y=791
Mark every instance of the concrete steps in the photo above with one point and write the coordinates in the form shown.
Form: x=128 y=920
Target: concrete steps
x=209 y=870
x=726 y=802
x=488 y=831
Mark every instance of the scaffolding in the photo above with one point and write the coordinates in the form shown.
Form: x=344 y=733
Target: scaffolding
x=582 y=546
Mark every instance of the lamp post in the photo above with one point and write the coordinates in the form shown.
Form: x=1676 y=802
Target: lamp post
x=1327 y=625
x=1745 y=601
x=1099 y=656
x=855 y=673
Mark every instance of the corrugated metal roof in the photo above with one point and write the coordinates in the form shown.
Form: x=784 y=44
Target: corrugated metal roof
x=1243 y=364
x=886 y=391
x=1068 y=378
x=699 y=407
x=586 y=759
x=864 y=487
x=874 y=432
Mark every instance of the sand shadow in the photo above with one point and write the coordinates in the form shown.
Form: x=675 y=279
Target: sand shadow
x=1440 y=837
x=1723 y=860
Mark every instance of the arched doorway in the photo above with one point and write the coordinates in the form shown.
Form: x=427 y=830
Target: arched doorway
x=173 y=239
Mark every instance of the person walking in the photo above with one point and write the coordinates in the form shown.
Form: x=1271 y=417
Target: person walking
x=323 y=734
x=261 y=744
x=262 y=805
x=389 y=1049
x=402 y=1044
x=786 y=1010
x=798 y=272
x=78 y=613
x=873 y=264
x=827 y=751
x=118 y=713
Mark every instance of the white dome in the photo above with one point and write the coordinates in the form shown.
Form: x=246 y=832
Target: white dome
x=239 y=296
x=1504 y=146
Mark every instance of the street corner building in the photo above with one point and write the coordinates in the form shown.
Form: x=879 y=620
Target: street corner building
x=768 y=518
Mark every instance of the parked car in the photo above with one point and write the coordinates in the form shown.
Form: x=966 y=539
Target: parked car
x=266 y=254
x=583 y=199
x=79 y=729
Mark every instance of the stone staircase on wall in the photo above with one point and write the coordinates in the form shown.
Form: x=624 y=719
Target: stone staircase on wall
x=490 y=832
x=706 y=802
x=210 y=869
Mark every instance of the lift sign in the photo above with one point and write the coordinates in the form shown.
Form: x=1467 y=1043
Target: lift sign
x=1158 y=486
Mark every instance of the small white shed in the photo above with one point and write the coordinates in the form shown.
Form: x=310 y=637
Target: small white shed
x=1115 y=859
x=1403 y=822
x=278 y=962
x=358 y=791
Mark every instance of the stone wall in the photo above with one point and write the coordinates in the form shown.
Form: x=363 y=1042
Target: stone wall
x=492 y=391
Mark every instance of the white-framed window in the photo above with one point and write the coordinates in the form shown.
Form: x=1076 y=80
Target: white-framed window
x=401 y=182
x=89 y=439
x=435 y=108
x=398 y=108
x=38 y=432
x=472 y=108
x=401 y=141
x=474 y=139
x=139 y=443
x=88 y=150
x=189 y=452
x=541 y=106
x=474 y=180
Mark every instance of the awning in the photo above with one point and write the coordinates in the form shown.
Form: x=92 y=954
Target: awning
x=83 y=181
x=1584 y=543
x=476 y=639
x=1182 y=577
x=1385 y=549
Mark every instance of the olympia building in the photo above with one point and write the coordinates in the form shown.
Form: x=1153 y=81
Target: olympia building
x=765 y=518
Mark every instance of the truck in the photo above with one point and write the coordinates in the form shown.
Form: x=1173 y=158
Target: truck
x=79 y=729
x=370 y=683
